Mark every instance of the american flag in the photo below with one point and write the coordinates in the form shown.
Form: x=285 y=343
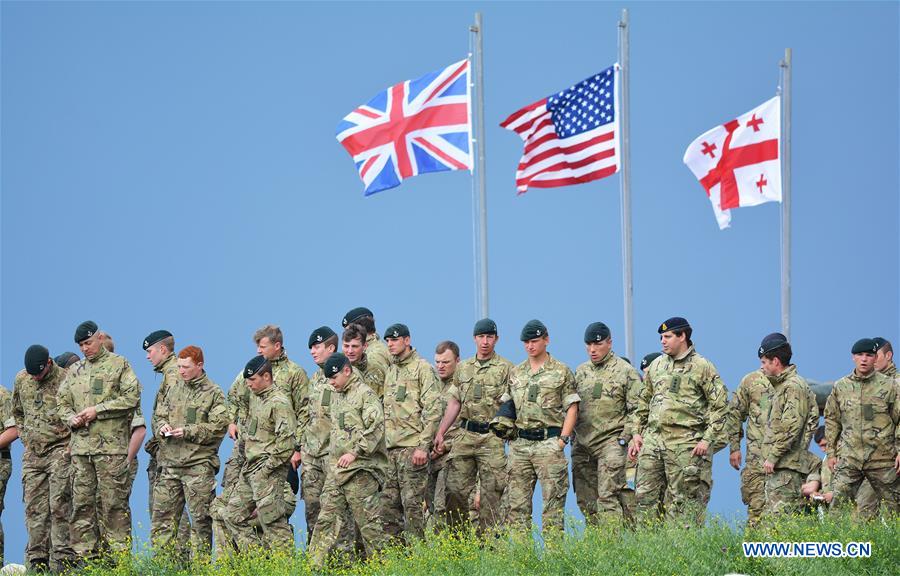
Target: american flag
x=411 y=128
x=570 y=137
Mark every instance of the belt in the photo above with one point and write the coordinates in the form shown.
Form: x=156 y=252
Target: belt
x=537 y=434
x=478 y=427
x=6 y=454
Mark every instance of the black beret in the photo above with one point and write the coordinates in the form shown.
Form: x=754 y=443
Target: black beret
x=36 y=359
x=864 y=345
x=646 y=360
x=320 y=334
x=66 y=358
x=396 y=331
x=335 y=364
x=879 y=342
x=773 y=341
x=533 y=329
x=155 y=337
x=676 y=323
x=485 y=326
x=255 y=366
x=355 y=314
x=626 y=358
x=596 y=332
x=85 y=330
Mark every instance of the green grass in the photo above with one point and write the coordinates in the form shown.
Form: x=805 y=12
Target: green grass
x=602 y=550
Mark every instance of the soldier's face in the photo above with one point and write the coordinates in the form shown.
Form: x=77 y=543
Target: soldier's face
x=397 y=346
x=445 y=363
x=259 y=382
x=673 y=345
x=91 y=346
x=43 y=373
x=823 y=445
x=865 y=363
x=484 y=345
x=769 y=366
x=268 y=349
x=882 y=359
x=354 y=350
x=536 y=346
x=597 y=351
x=320 y=352
x=339 y=381
x=156 y=354
x=189 y=369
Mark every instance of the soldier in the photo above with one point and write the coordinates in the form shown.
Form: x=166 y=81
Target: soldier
x=190 y=420
x=268 y=445
x=607 y=386
x=818 y=482
x=791 y=422
x=66 y=360
x=373 y=370
x=884 y=358
x=411 y=416
x=477 y=456
x=682 y=411
x=7 y=437
x=46 y=465
x=376 y=350
x=357 y=463
x=446 y=360
x=97 y=400
x=542 y=401
x=861 y=419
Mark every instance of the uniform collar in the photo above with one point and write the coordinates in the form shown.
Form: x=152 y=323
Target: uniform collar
x=605 y=360
x=164 y=365
x=789 y=371
x=99 y=355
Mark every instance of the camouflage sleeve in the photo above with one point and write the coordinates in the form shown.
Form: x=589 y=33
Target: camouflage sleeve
x=213 y=430
x=791 y=410
x=738 y=411
x=285 y=429
x=18 y=412
x=430 y=406
x=632 y=390
x=300 y=392
x=570 y=390
x=160 y=416
x=237 y=405
x=128 y=398
x=832 y=422
x=65 y=408
x=6 y=410
x=717 y=402
x=642 y=405
x=895 y=415
x=370 y=436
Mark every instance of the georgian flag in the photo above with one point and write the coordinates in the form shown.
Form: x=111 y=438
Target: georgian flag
x=738 y=162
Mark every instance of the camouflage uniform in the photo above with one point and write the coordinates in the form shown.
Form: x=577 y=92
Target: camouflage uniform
x=861 y=430
x=602 y=435
x=436 y=494
x=100 y=449
x=260 y=487
x=750 y=403
x=357 y=426
x=542 y=399
x=46 y=469
x=477 y=455
x=683 y=402
x=373 y=370
x=378 y=357
x=189 y=464
x=411 y=415
x=792 y=420
x=8 y=421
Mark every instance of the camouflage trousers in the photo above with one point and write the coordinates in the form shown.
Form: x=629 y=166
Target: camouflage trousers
x=405 y=495
x=358 y=498
x=783 y=492
x=100 y=503
x=436 y=493
x=312 y=485
x=867 y=502
x=848 y=476
x=175 y=487
x=530 y=462
x=259 y=496
x=672 y=475
x=477 y=464
x=223 y=538
x=753 y=489
x=47 y=492
x=184 y=523
x=5 y=473
x=598 y=477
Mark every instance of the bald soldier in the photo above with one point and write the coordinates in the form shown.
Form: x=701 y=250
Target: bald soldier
x=378 y=356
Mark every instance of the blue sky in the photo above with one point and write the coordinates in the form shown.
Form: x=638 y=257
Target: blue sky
x=169 y=165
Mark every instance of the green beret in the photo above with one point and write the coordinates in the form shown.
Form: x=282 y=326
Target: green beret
x=865 y=346
x=485 y=326
x=335 y=364
x=255 y=366
x=155 y=337
x=879 y=342
x=85 y=330
x=65 y=359
x=674 y=323
x=772 y=342
x=533 y=329
x=320 y=334
x=596 y=332
x=355 y=314
x=36 y=359
x=396 y=331
x=646 y=360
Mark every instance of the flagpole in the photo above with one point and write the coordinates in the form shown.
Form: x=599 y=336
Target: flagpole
x=786 y=67
x=478 y=30
x=625 y=183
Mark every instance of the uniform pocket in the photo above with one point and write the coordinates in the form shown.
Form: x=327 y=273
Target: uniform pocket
x=191 y=415
x=254 y=423
x=868 y=412
x=97 y=386
x=400 y=395
x=326 y=397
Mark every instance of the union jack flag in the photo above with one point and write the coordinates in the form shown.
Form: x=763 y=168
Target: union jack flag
x=411 y=128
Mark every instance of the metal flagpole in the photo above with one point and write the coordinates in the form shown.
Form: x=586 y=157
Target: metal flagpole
x=625 y=183
x=478 y=30
x=786 y=67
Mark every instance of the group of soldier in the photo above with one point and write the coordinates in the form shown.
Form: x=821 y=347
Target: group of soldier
x=382 y=446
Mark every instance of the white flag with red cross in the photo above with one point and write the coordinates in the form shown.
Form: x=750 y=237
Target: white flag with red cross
x=738 y=162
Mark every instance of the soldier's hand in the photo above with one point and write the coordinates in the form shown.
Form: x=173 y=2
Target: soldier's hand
x=768 y=467
x=832 y=462
x=76 y=421
x=439 y=443
x=346 y=460
x=177 y=432
x=701 y=449
x=897 y=463
x=477 y=501
x=419 y=457
x=88 y=415
x=828 y=496
x=165 y=431
x=735 y=460
x=233 y=431
x=634 y=448
x=296 y=459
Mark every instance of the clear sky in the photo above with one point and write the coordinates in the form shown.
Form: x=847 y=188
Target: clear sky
x=169 y=165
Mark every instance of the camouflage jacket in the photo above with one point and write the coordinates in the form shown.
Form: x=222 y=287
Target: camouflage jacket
x=7 y=418
x=891 y=372
x=169 y=370
x=411 y=403
x=683 y=400
x=541 y=398
x=197 y=406
x=444 y=387
x=479 y=387
x=607 y=397
x=792 y=421
x=34 y=408
x=108 y=383
x=819 y=472
x=271 y=429
x=861 y=419
x=357 y=427
x=373 y=371
x=750 y=403
x=318 y=429
x=377 y=352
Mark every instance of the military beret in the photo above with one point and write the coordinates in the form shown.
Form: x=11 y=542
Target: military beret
x=879 y=342
x=36 y=359
x=596 y=332
x=646 y=360
x=485 y=326
x=355 y=314
x=396 y=331
x=773 y=341
x=335 y=364
x=155 y=337
x=532 y=329
x=66 y=358
x=676 y=323
x=320 y=334
x=85 y=330
x=626 y=358
x=255 y=366
x=864 y=345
